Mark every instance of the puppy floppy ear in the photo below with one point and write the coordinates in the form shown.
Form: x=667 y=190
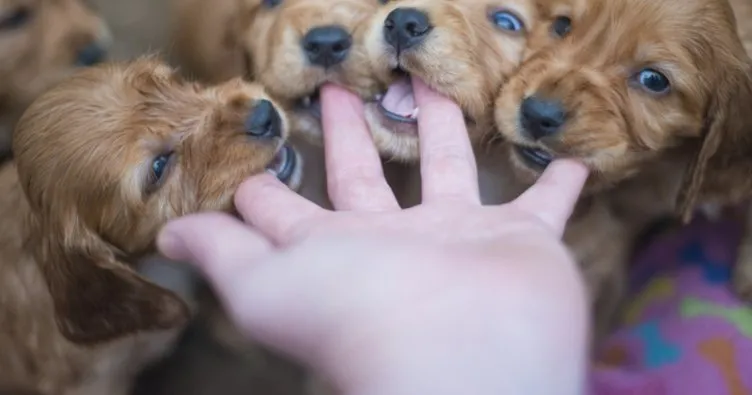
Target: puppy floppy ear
x=721 y=170
x=98 y=298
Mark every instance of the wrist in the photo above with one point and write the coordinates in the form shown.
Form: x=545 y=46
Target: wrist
x=465 y=356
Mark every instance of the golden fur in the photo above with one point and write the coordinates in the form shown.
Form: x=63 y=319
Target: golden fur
x=206 y=39
x=41 y=41
x=83 y=202
x=650 y=153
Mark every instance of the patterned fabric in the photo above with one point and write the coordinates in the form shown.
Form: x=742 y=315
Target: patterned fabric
x=683 y=332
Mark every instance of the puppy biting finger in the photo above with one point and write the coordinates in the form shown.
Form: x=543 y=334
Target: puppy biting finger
x=274 y=209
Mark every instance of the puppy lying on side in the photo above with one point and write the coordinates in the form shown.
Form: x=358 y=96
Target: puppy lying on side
x=102 y=161
x=652 y=96
x=42 y=41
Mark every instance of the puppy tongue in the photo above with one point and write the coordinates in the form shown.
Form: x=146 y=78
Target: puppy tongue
x=399 y=99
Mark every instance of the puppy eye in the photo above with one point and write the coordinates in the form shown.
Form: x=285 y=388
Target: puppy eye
x=653 y=81
x=506 y=20
x=15 y=19
x=158 y=168
x=272 y=3
x=561 y=26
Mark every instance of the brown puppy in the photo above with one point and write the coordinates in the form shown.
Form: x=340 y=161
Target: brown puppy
x=102 y=161
x=652 y=96
x=42 y=41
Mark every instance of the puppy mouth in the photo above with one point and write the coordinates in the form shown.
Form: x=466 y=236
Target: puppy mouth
x=285 y=164
x=398 y=102
x=310 y=104
x=533 y=157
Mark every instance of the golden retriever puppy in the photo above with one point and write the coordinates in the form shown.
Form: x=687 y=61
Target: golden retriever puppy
x=42 y=41
x=292 y=47
x=652 y=97
x=102 y=161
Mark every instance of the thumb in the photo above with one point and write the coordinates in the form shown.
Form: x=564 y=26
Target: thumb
x=222 y=247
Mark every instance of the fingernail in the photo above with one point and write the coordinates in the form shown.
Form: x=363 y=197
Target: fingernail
x=170 y=244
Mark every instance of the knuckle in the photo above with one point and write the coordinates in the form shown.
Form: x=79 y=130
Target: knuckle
x=454 y=153
x=356 y=178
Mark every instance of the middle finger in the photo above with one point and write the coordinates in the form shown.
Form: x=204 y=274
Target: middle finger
x=355 y=177
x=447 y=169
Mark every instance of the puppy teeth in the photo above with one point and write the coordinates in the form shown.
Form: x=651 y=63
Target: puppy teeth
x=307 y=101
x=378 y=97
x=414 y=114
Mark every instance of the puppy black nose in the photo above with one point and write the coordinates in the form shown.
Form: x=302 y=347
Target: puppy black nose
x=264 y=121
x=91 y=55
x=327 y=46
x=406 y=27
x=541 y=117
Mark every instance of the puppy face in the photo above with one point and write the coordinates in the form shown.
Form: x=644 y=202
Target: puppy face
x=295 y=46
x=108 y=156
x=42 y=41
x=464 y=49
x=632 y=81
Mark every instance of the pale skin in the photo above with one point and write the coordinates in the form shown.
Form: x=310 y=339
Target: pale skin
x=448 y=297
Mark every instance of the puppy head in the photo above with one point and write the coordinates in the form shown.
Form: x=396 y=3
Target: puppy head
x=108 y=156
x=633 y=81
x=42 y=41
x=464 y=49
x=295 y=46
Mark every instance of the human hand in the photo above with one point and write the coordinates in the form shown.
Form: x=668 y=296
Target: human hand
x=375 y=296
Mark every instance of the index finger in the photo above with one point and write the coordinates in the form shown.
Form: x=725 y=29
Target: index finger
x=447 y=167
x=553 y=197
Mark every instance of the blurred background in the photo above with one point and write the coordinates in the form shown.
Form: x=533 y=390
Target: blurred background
x=199 y=367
